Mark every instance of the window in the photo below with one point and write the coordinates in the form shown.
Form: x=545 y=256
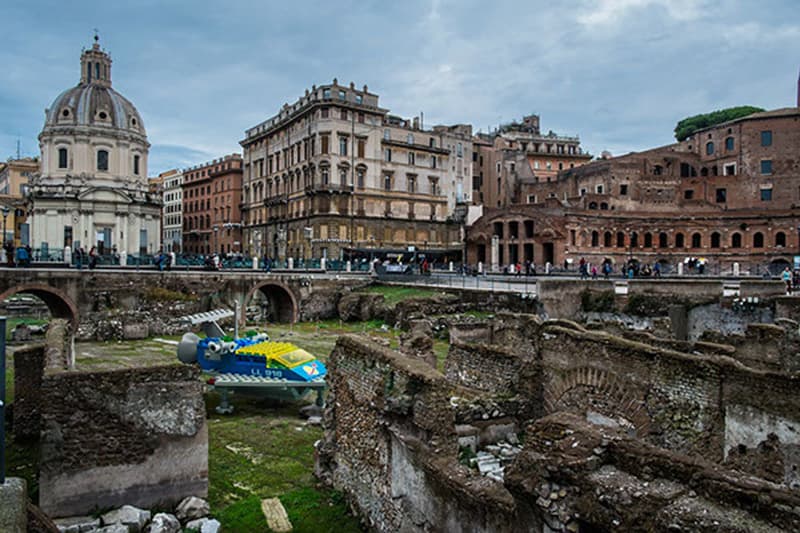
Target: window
x=432 y=144
x=648 y=240
x=595 y=239
x=387 y=155
x=326 y=93
x=663 y=240
x=342 y=145
x=325 y=141
x=607 y=239
x=343 y=114
x=411 y=158
x=341 y=95
x=766 y=138
x=715 y=240
x=102 y=160
x=387 y=182
x=323 y=112
x=359 y=100
x=634 y=239
x=412 y=183
x=343 y=176
x=62 y=158
x=325 y=175
x=410 y=139
x=766 y=166
x=386 y=135
x=758 y=240
x=623 y=189
x=434 y=185
x=361 y=147
x=736 y=240
x=697 y=240
x=709 y=148
x=599 y=189
x=688 y=194
x=360 y=178
x=722 y=196
x=136 y=165
x=730 y=170
x=780 y=239
x=620 y=240
x=679 y=240
x=433 y=161
x=459 y=150
x=766 y=195
x=729 y=144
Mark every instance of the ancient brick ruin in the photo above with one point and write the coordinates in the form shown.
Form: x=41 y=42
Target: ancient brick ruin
x=545 y=425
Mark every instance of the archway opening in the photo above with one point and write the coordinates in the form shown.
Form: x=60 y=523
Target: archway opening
x=33 y=299
x=272 y=302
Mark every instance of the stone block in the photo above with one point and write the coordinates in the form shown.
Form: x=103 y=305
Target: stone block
x=135 y=331
x=191 y=508
x=165 y=523
x=13 y=505
x=204 y=525
x=134 y=518
x=77 y=524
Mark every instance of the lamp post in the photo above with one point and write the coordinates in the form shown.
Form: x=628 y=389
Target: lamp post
x=216 y=241
x=6 y=211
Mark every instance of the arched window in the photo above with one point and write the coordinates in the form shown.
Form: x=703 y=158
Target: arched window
x=603 y=206
x=136 y=165
x=679 y=240
x=360 y=173
x=758 y=240
x=663 y=240
x=595 y=239
x=736 y=240
x=704 y=171
x=634 y=239
x=102 y=160
x=620 y=240
x=648 y=240
x=780 y=239
x=607 y=239
x=715 y=238
x=729 y=144
x=62 y=158
x=709 y=148
x=592 y=205
x=697 y=240
x=325 y=175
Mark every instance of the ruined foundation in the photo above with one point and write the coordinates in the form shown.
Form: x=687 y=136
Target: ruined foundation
x=570 y=430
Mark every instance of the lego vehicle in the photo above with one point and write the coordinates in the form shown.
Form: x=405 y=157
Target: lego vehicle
x=251 y=363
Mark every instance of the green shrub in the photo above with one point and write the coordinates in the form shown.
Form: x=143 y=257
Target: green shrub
x=689 y=125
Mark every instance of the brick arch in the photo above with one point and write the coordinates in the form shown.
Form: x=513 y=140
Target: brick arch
x=281 y=297
x=59 y=304
x=620 y=395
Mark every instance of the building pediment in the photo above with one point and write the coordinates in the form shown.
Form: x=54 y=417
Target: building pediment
x=104 y=194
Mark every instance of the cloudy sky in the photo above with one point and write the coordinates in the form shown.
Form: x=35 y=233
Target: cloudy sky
x=618 y=73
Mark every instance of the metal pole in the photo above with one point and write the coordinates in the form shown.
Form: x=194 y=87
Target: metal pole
x=2 y=400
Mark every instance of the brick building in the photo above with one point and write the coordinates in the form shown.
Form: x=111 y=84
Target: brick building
x=212 y=194
x=729 y=193
x=335 y=175
x=511 y=161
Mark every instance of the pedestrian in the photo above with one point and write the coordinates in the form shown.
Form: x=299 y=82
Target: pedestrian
x=594 y=271
x=787 y=279
x=92 y=258
x=657 y=269
x=79 y=257
x=22 y=257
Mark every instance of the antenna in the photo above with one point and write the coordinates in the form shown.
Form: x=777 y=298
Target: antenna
x=18 y=154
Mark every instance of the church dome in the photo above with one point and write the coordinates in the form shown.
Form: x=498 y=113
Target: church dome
x=93 y=102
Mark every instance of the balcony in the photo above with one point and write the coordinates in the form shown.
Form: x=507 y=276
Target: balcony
x=329 y=188
x=281 y=199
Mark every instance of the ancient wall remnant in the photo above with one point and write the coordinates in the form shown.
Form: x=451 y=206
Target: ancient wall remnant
x=133 y=436
x=639 y=433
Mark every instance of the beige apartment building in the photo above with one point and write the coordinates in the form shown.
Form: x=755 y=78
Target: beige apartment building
x=335 y=175
x=14 y=180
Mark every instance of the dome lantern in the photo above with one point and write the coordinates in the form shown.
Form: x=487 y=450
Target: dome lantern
x=96 y=65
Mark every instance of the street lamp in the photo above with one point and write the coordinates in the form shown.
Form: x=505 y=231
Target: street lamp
x=216 y=241
x=6 y=211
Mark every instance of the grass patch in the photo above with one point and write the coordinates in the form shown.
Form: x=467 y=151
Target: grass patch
x=393 y=294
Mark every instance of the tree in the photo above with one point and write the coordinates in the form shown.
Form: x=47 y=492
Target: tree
x=689 y=125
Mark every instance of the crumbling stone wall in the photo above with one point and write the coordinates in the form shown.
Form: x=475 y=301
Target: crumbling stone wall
x=133 y=436
x=29 y=364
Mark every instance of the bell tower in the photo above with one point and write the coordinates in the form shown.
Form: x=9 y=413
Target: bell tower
x=96 y=65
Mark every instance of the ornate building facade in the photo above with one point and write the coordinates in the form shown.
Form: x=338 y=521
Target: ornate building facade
x=729 y=193
x=335 y=175
x=172 y=210
x=92 y=190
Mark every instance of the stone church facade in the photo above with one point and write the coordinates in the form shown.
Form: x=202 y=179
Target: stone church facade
x=92 y=190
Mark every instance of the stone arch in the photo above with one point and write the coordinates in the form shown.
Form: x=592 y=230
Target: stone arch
x=282 y=302
x=59 y=304
x=600 y=391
